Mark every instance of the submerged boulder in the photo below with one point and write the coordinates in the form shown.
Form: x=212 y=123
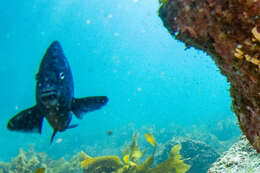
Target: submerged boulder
x=240 y=158
x=195 y=153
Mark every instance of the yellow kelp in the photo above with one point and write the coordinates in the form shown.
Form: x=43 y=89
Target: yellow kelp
x=149 y=138
x=174 y=164
x=101 y=164
x=40 y=170
x=131 y=156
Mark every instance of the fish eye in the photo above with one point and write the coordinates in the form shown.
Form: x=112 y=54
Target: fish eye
x=61 y=75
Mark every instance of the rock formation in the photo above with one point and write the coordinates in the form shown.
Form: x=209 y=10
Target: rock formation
x=228 y=31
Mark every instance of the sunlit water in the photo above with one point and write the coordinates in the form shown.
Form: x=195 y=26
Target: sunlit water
x=117 y=48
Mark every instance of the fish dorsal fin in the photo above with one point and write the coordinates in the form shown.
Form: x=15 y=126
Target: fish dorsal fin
x=53 y=134
x=29 y=120
x=87 y=104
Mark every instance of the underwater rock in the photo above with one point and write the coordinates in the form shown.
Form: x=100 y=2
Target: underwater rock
x=228 y=31
x=195 y=153
x=240 y=158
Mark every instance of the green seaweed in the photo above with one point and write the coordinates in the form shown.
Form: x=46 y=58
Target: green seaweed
x=163 y=2
x=174 y=162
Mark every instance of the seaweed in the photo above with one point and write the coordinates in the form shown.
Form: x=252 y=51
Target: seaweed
x=131 y=157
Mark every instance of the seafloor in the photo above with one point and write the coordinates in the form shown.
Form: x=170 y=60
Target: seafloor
x=199 y=149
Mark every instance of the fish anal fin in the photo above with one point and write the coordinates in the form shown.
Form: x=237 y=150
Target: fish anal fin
x=87 y=104
x=53 y=135
x=29 y=120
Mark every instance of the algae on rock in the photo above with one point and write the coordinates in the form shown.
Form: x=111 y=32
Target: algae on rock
x=30 y=161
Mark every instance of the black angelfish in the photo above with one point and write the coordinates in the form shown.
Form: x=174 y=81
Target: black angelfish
x=54 y=97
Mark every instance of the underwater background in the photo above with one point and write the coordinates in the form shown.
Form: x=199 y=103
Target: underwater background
x=115 y=48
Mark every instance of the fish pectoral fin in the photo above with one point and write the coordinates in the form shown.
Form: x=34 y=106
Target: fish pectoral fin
x=29 y=120
x=87 y=104
x=72 y=126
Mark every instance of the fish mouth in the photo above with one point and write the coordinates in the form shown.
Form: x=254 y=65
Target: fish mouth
x=49 y=95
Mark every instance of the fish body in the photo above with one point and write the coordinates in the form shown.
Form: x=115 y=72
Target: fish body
x=109 y=133
x=54 y=97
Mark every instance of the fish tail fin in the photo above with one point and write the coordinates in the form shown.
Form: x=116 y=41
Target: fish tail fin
x=87 y=104
x=29 y=120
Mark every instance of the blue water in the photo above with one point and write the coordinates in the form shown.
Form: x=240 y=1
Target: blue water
x=115 y=48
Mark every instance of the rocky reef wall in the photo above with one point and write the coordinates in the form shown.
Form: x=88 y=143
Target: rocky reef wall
x=228 y=31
